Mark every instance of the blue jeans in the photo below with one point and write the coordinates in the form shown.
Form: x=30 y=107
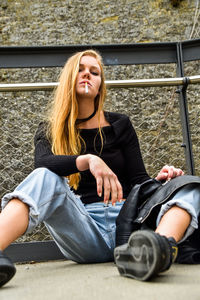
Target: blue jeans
x=84 y=233
x=188 y=198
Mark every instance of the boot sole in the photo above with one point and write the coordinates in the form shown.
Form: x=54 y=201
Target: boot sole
x=140 y=258
x=7 y=271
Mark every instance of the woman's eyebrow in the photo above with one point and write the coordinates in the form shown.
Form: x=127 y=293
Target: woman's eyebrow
x=92 y=66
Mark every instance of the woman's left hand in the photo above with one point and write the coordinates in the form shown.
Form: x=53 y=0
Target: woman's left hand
x=169 y=172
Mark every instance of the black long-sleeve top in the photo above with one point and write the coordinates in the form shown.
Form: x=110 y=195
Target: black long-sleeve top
x=121 y=152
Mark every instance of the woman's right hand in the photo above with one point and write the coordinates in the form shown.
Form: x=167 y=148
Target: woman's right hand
x=169 y=172
x=105 y=178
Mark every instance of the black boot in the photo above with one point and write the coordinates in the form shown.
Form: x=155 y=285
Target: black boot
x=188 y=254
x=145 y=255
x=7 y=269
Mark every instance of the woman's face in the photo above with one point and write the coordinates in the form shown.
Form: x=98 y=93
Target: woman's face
x=90 y=73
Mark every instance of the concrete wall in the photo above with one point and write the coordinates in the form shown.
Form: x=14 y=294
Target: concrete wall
x=58 y=22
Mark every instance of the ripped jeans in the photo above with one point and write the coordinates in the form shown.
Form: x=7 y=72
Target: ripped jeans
x=83 y=233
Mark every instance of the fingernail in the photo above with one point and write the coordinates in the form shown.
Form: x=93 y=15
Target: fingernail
x=99 y=194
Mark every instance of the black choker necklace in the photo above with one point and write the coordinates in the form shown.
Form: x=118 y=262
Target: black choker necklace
x=78 y=121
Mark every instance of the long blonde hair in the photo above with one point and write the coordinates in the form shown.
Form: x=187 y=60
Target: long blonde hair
x=63 y=113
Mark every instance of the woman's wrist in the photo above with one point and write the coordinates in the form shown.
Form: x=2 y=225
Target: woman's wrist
x=82 y=162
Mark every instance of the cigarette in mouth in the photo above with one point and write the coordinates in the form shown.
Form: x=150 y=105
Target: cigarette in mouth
x=86 y=87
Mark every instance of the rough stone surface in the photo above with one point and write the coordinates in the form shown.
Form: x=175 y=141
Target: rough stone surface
x=25 y=22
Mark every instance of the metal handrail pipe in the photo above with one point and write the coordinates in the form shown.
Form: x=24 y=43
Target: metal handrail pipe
x=194 y=79
x=15 y=87
x=156 y=82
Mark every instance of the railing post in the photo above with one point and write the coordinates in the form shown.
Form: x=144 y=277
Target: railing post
x=187 y=143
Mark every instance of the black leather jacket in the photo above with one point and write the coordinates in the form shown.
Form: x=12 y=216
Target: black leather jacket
x=142 y=203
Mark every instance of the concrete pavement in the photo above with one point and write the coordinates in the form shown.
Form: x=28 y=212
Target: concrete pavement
x=67 y=280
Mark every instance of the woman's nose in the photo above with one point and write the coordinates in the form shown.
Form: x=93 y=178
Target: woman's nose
x=86 y=73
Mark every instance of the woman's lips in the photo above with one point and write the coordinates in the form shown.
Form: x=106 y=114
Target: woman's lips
x=84 y=82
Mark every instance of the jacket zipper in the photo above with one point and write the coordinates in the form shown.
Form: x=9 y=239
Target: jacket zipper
x=145 y=217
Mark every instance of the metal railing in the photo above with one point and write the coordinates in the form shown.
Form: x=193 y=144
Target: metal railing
x=156 y=82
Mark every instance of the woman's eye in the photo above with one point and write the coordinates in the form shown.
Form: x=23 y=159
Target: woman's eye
x=95 y=73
